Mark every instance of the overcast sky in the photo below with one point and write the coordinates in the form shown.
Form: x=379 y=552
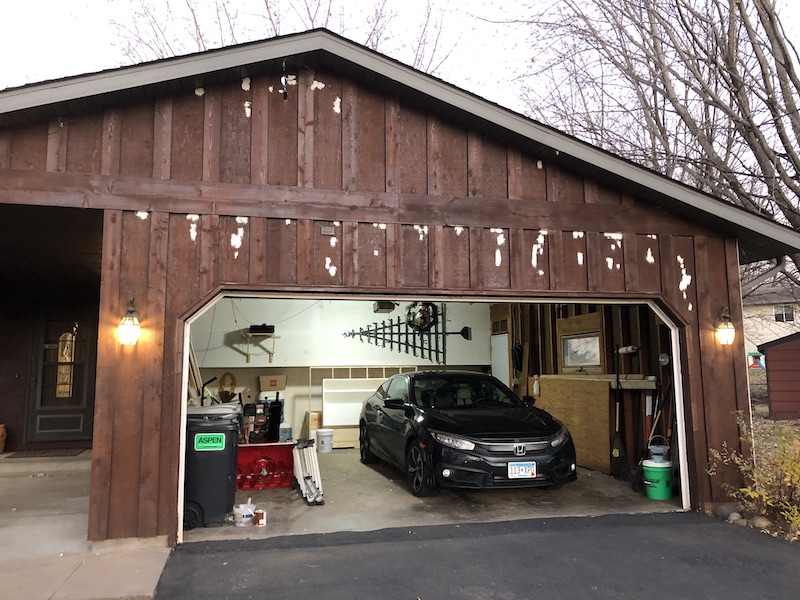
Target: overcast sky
x=50 y=39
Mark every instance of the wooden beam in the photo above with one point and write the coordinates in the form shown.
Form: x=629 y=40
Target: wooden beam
x=235 y=199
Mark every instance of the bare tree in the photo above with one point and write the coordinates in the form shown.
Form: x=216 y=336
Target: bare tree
x=704 y=91
x=153 y=29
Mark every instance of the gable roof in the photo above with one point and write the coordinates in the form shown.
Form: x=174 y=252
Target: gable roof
x=779 y=342
x=759 y=238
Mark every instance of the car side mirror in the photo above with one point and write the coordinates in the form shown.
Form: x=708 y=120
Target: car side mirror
x=529 y=401
x=399 y=404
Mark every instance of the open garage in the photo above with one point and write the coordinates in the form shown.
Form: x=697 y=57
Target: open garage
x=358 y=181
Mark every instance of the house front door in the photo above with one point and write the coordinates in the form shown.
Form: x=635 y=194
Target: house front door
x=61 y=402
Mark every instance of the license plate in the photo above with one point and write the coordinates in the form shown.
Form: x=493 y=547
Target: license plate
x=521 y=470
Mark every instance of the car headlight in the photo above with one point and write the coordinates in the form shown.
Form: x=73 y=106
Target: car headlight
x=560 y=438
x=453 y=441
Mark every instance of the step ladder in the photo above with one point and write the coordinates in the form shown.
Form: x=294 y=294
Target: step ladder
x=306 y=472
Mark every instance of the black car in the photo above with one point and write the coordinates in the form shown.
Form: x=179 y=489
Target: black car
x=463 y=429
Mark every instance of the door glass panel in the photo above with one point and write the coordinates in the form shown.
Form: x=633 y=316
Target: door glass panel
x=63 y=365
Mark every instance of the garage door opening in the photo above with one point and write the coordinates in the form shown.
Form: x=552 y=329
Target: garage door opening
x=606 y=370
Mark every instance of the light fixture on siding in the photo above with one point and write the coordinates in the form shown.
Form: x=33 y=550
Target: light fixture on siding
x=130 y=327
x=725 y=331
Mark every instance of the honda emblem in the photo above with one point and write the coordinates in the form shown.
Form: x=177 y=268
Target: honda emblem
x=519 y=449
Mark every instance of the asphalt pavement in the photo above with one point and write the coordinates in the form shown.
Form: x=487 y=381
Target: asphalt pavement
x=667 y=556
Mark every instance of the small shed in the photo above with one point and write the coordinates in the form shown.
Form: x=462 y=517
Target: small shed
x=783 y=376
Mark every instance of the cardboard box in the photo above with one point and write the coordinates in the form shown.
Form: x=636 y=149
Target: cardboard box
x=271 y=383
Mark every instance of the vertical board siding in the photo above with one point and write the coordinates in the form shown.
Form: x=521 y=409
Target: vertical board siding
x=29 y=148
x=370 y=254
x=413 y=152
x=162 y=139
x=84 y=144
x=327 y=254
x=235 y=119
x=529 y=260
x=233 y=242
x=57 y=146
x=568 y=260
x=490 y=268
x=605 y=258
x=108 y=372
x=564 y=186
x=447 y=159
x=136 y=133
x=281 y=251
x=455 y=258
x=187 y=138
x=153 y=380
x=127 y=395
x=412 y=260
x=327 y=122
x=212 y=133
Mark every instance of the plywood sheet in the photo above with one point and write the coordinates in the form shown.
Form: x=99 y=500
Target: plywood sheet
x=583 y=406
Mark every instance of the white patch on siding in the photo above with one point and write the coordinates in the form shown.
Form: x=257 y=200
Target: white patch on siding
x=337 y=105
x=539 y=165
x=541 y=273
x=334 y=241
x=686 y=279
x=288 y=221
x=271 y=88
x=498 y=258
x=199 y=91
x=613 y=236
x=576 y=235
x=291 y=79
x=317 y=85
x=246 y=84
x=336 y=223
x=329 y=267
x=143 y=214
x=580 y=258
x=610 y=263
x=193 y=220
x=422 y=230
x=538 y=248
x=379 y=225
x=248 y=108
x=375 y=253
x=653 y=236
x=649 y=257
x=458 y=229
x=238 y=237
x=690 y=306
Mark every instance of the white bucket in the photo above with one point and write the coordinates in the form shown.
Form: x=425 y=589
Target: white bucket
x=324 y=440
x=243 y=515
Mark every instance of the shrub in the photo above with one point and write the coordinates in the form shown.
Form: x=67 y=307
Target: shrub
x=771 y=475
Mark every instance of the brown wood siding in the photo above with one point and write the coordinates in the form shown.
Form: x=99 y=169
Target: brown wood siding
x=17 y=325
x=416 y=205
x=783 y=379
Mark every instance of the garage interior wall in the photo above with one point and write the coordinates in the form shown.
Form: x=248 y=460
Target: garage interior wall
x=201 y=197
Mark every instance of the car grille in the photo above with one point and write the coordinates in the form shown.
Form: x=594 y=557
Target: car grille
x=509 y=447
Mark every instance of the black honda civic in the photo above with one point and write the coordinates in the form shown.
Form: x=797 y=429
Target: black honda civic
x=463 y=429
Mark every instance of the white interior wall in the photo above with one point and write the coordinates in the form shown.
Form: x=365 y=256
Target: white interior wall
x=310 y=333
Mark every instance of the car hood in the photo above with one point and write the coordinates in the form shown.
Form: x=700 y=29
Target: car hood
x=492 y=422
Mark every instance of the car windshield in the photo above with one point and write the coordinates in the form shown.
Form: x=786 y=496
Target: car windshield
x=455 y=392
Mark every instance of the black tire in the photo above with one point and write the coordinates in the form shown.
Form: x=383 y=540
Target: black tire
x=418 y=470
x=192 y=516
x=367 y=456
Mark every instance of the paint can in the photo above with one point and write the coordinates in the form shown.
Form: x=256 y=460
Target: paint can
x=260 y=517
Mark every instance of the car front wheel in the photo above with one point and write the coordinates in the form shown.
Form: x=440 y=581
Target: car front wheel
x=420 y=475
x=367 y=456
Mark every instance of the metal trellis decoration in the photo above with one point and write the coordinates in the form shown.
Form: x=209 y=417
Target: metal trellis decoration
x=419 y=333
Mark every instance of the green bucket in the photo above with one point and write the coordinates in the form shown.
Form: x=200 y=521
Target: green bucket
x=658 y=479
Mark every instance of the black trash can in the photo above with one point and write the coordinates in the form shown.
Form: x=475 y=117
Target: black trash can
x=209 y=489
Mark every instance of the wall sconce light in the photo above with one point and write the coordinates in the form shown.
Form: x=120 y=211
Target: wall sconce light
x=129 y=328
x=724 y=329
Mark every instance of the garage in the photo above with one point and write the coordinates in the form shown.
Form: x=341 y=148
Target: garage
x=361 y=180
